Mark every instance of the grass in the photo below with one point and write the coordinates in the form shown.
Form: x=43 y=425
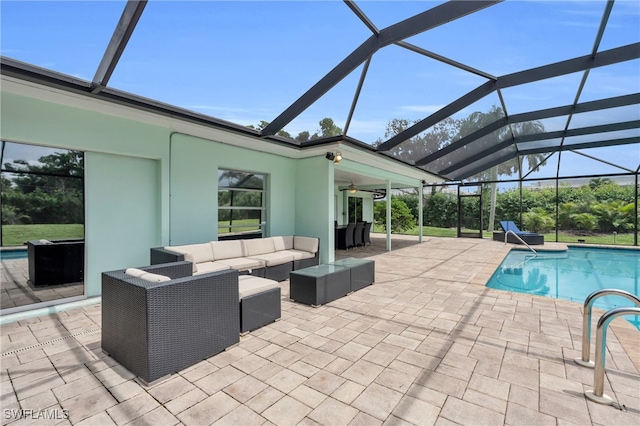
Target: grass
x=563 y=237
x=17 y=235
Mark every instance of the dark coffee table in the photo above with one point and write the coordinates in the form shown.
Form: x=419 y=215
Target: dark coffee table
x=362 y=272
x=317 y=285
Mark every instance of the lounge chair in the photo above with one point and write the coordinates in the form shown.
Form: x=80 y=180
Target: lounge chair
x=530 y=238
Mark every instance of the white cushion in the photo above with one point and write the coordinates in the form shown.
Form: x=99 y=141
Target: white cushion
x=227 y=249
x=248 y=285
x=205 y=267
x=242 y=263
x=45 y=242
x=135 y=272
x=273 y=259
x=299 y=254
x=288 y=242
x=188 y=257
x=257 y=246
x=305 y=243
x=201 y=252
x=278 y=243
x=147 y=276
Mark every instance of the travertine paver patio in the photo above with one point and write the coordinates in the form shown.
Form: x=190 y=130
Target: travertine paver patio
x=427 y=344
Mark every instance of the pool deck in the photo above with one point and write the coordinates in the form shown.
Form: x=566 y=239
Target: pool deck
x=427 y=344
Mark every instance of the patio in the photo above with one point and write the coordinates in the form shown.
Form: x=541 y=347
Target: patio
x=427 y=343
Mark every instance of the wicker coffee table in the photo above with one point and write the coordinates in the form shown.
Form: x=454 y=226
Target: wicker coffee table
x=319 y=284
x=362 y=272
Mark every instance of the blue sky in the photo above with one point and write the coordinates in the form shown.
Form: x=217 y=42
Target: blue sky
x=247 y=61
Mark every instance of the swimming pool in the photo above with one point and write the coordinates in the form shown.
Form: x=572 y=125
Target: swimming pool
x=13 y=254
x=572 y=275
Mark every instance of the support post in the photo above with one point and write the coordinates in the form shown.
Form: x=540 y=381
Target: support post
x=420 y=200
x=388 y=215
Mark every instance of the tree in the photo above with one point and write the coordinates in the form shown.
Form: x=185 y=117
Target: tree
x=450 y=130
x=421 y=145
x=49 y=191
x=327 y=129
x=598 y=182
x=264 y=124
x=478 y=120
x=401 y=218
x=538 y=220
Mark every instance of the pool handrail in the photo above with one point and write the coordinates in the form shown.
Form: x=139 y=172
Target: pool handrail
x=586 y=320
x=520 y=239
x=597 y=394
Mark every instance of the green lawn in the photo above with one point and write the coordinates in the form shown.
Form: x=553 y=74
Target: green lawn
x=563 y=237
x=17 y=235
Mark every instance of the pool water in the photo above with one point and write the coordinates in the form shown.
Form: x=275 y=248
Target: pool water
x=13 y=254
x=572 y=275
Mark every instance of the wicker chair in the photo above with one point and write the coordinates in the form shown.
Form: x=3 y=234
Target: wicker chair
x=357 y=234
x=155 y=329
x=366 y=233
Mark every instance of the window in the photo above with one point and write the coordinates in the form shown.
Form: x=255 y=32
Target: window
x=355 y=209
x=42 y=197
x=241 y=204
x=42 y=193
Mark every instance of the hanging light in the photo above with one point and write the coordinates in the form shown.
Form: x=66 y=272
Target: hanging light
x=352 y=188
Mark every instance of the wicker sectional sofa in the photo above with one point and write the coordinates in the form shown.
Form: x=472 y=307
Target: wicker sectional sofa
x=272 y=258
x=164 y=319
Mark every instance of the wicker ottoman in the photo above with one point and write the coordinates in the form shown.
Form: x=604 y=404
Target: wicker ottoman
x=362 y=272
x=259 y=302
x=320 y=284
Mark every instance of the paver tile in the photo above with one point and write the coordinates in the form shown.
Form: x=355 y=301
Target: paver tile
x=377 y=401
x=308 y=396
x=88 y=404
x=286 y=411
x=416 y=411
x=245 y=388
x=286 y=380
x=264 y=399
x=208 y=410
x=466 y=413
x=363 y=372
x=333 y=412
x=133 y=408
x=241 y=415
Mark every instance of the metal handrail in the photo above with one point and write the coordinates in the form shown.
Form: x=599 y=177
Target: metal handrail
x=586 y=320
x=520 y=239
x=597 y=394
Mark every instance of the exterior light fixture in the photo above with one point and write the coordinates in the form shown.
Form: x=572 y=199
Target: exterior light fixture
x=352 y=188
x=338 y=157
x=330 y=156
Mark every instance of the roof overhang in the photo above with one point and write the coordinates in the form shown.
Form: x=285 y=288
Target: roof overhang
x=27 y=80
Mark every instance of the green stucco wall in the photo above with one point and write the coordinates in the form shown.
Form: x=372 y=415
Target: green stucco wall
x=144 y=185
